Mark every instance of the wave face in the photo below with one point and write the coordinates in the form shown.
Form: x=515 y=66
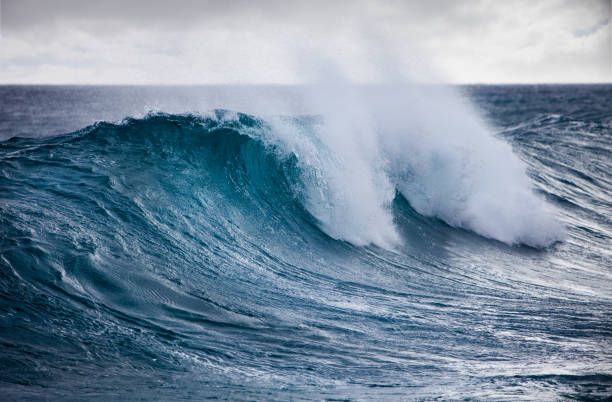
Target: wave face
x=385 y=245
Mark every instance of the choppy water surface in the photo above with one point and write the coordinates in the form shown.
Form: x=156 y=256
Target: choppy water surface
x=174 y=243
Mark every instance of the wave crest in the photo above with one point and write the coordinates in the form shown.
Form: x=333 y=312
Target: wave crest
x=344 y=169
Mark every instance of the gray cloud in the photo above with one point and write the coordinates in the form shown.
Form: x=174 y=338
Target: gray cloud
x=191 y=41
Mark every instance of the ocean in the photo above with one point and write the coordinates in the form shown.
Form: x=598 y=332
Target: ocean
x=306 y=243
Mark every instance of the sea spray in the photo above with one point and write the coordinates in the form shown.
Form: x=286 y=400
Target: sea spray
x=357 y=145
x=448 y=164
x=351 y=193
x=423 y=141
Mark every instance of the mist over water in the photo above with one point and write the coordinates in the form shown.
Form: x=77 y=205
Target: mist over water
x=426 y=143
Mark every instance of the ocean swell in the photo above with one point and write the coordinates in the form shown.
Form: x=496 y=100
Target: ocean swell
x=342 y=174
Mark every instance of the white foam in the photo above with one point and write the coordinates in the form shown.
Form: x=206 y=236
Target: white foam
x=424 y=141
x=347 y=188
x=447 y=163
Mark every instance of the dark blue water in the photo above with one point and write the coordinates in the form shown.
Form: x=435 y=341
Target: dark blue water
x=181 y=254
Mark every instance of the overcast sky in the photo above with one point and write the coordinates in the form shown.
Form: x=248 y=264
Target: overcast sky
x=216 y=41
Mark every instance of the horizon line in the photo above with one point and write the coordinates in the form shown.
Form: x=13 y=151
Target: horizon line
x=298 y=84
